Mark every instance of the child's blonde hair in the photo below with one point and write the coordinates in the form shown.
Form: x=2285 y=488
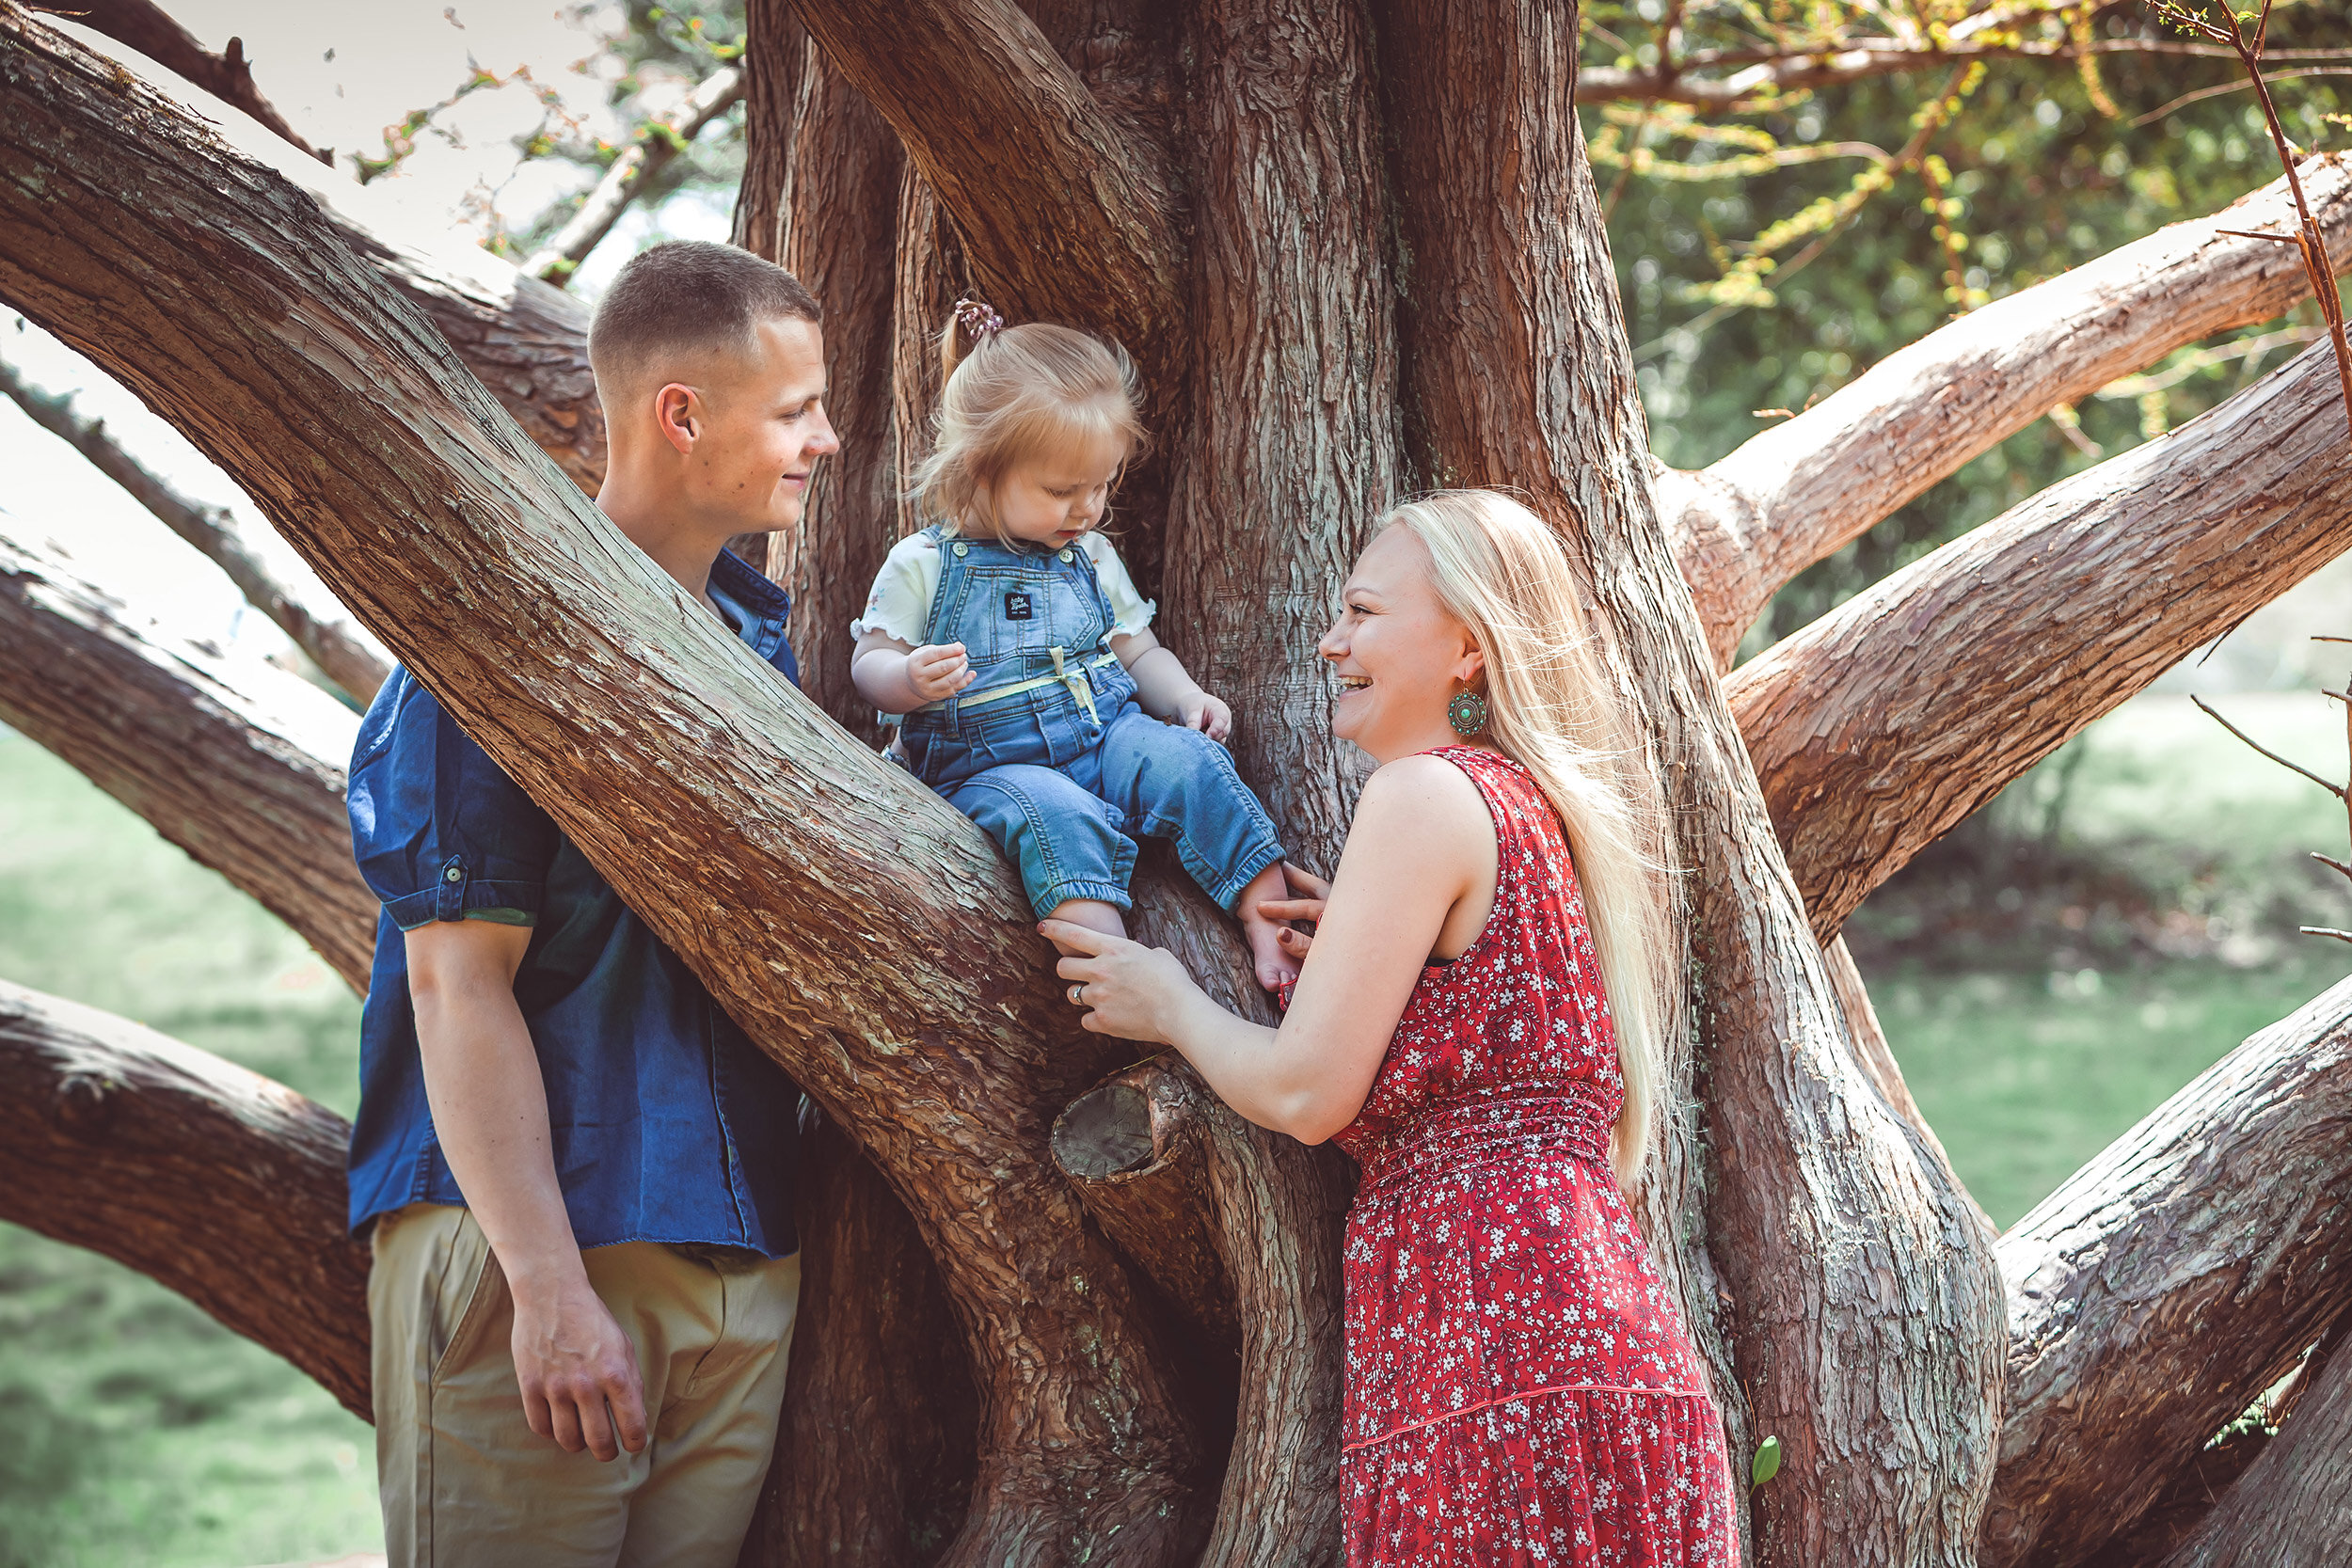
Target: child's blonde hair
x=1551 y=706
x=1008 y=393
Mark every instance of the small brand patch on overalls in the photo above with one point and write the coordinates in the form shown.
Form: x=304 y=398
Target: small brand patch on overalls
x=1017 y=606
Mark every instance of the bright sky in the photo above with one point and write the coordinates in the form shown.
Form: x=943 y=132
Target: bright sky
x=339 y=74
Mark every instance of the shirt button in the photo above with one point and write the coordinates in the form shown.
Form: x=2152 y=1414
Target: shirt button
x=1065 y=555
x=963 y=549
x=453 y=874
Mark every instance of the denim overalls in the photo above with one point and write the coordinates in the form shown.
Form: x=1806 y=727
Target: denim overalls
x=1047 y=748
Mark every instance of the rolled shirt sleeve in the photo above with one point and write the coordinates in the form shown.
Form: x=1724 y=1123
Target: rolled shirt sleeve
x=899 y=605
x=1130 y=613
x=438 y=830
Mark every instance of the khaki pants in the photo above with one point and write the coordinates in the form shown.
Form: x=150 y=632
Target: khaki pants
x=465 y=1480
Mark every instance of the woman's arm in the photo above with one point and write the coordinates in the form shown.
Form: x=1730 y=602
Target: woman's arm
x=1418 y=869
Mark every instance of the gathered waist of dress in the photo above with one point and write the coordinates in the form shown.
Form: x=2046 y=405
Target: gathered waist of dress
x=1567 y=1118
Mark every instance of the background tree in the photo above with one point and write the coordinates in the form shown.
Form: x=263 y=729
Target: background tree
x=1355 y=252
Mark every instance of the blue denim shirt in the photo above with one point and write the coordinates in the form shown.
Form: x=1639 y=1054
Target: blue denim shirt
x=668 y=1125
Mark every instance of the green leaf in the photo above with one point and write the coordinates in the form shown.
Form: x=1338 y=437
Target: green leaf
x=1767 y=1464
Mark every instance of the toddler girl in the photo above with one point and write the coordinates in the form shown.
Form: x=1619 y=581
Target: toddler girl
x=1011 y=638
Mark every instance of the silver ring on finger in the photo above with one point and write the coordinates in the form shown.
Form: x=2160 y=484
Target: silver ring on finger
x=1078 y=994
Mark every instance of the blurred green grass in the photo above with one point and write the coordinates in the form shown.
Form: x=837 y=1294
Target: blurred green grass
x=2116 y=923
x=134 y=1429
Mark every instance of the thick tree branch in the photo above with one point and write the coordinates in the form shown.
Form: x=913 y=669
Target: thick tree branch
x=347 y=654
x=790 y=860
x=1886 y=1400
x=1745 y=525
x=656 y=146
x=210 y=1178
x=230 y=758
x=1883 y=724
x=146 y=29
x=2294 y=1503
x=1061 y=219
x=2169 y=1281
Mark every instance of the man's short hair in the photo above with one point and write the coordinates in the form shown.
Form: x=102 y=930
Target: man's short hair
x=687 y=297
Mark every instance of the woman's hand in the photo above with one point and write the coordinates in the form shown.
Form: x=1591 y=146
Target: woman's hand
x=1309 y=893
x=1128 y=989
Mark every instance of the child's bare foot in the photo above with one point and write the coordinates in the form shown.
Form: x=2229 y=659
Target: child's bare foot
x=1093 y=913
x=1277 y=963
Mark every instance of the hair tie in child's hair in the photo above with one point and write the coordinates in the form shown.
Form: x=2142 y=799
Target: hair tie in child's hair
x=979 y=321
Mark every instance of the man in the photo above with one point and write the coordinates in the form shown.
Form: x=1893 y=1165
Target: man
x=578 y=1170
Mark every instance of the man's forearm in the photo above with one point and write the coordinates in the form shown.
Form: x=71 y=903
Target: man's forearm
x=490 y=1115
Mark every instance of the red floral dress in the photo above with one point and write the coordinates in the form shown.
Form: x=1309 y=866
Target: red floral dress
x=1521 y=1388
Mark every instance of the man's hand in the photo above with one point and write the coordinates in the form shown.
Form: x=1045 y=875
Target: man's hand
x=1198 y=711
x=939 y=670
x=578 y=1374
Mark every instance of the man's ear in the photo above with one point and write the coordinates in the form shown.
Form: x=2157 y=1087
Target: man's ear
x=678 y=414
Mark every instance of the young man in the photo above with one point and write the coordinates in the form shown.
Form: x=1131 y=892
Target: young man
x=578 y=1170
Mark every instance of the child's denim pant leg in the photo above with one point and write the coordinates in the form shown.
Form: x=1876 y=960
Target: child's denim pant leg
x=1066 y=842
x=1173 y=783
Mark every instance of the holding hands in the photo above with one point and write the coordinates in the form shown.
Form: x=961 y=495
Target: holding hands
x=1128 y=989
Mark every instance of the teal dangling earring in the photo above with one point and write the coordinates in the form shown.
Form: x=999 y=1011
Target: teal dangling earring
x=1467 y=713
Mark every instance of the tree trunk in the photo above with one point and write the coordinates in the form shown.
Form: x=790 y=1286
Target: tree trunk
x=1864 y=1310
x=782 y=861
x=1792 y=495
x=659 y=745
x=2047 y=616
x=210 y=1178
x=2169 y=1281
x=841 y=239
x=874 y=1460
x=227 y=757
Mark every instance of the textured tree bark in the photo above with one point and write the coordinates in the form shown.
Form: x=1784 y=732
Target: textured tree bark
x=1062 y=218
x=232 y=759
x=146 y=29
x=1864 y=1319
x=874 y=1460
x=1795 y=492
x=791 y=858
x=776 y=52
x=526 y=341
x=210 y=1178
x=341 y=649
x=2293 y=1507
x=1878 y=1061
x=1134 y=1140
x=2169 y=1281
x=2048 y=616
x=841 y=241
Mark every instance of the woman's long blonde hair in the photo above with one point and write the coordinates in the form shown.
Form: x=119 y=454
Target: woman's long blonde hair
x=1010 y=393
x=1551 y=706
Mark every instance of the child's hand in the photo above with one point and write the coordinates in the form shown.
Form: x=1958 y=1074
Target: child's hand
x=1198 y=711
x=939 y=672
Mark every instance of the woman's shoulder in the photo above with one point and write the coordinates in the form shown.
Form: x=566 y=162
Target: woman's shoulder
x=1431 y=788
